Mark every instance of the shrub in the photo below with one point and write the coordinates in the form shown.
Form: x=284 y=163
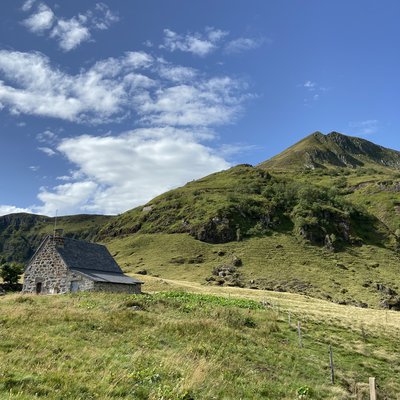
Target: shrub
x=11 y=272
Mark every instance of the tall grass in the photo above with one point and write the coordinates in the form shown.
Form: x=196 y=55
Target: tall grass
x=178 y=345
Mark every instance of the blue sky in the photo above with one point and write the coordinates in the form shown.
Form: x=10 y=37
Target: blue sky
x=104 y=105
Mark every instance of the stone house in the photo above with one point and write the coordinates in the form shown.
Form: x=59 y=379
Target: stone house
x=63 y=265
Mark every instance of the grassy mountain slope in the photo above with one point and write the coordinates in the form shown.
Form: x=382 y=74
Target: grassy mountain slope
x=333 y=150
x=20 y=234
x=175 y=345
x=329 y=231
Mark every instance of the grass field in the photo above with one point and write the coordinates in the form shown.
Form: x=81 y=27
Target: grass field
x=184 y=340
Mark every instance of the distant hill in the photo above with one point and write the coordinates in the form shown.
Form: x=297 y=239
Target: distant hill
x=21 y=233
x=321 y=218
x=333 y=150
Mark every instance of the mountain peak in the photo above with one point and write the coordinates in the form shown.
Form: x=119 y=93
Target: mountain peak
x=333 y=150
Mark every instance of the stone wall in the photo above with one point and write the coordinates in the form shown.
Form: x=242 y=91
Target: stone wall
x=78 y=282
x=117 y=287
x=47 y=271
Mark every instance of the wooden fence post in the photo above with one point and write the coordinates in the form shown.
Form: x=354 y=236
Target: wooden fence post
x=299 y=332
x=331 y=365
x=372 y=389
x=290 y=320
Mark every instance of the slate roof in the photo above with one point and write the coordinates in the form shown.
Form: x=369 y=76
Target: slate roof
x=92 y=260
x=107 y=277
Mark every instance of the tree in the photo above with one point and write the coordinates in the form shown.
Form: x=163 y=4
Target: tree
x=10 y=273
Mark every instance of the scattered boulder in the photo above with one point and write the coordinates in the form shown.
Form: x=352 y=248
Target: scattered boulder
x=142 y=272
x=196 y=259
x=226 y=275
x=236 y=261
x=177 y=260
x=341 y=266
x=221 y=253
x=2 y=291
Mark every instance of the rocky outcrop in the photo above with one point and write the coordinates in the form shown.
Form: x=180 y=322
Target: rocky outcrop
x=216 y=230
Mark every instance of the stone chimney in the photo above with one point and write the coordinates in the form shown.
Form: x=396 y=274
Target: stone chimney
x=58 y=237
x=59 y=232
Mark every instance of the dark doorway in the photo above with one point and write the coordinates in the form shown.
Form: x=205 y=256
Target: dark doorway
x=38 y=287
x=74 y=286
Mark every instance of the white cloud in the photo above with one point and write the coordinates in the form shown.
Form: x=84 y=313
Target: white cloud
x=313 y=92
x=66 y=198
x=34 y=168
x=367 y=127
x=27 y=5
x=216 y=101
x=159 y=92
x=7 y=209
x=69 y=33
x=46 y=136
x=310 y=85
x=124 y=171
x=177 y=73
x=199 y=44
x=102 y=18
x=242 y=44
x=48 y=151
x=41 y=21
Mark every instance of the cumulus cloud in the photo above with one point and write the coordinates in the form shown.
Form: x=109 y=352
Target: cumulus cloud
x=242 y=44
x=41 y=21
x=199 y=44
x=120 y=172
x=66 y=199
x=159 y=92
x=7 y=209
x=69 y=33
x=216 y=101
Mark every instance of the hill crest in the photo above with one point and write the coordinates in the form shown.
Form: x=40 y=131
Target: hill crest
x=333 y=150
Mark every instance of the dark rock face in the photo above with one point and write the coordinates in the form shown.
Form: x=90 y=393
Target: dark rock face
x=217 y=230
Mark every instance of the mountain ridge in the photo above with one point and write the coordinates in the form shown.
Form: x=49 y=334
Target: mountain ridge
x=333 y=150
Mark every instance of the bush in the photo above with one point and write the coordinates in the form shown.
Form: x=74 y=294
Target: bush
x=11 y=272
